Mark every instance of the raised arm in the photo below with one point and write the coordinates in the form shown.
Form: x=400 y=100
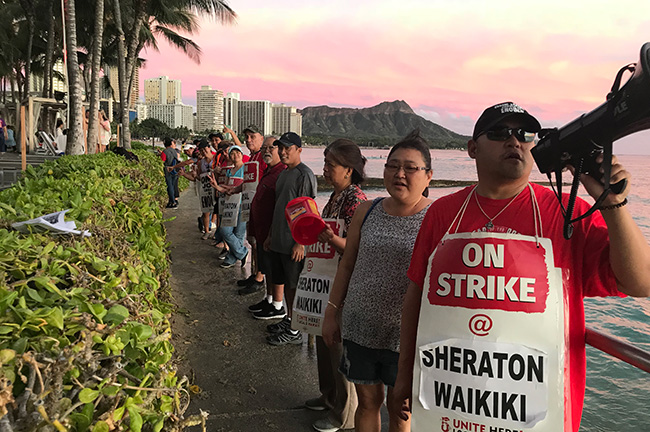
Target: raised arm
x=331 y=324
x=182 y=164
x=629 y=253
x=234 y=136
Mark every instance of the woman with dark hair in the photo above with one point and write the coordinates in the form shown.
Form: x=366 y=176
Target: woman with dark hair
x=233 y=235
x=58 y=131
x=343 y=169
x=364 y=309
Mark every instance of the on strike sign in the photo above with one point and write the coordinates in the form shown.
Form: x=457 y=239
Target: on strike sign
x=483 y=277
x=491 y=336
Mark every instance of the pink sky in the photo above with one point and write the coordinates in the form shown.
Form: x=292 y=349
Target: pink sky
x=447 y=59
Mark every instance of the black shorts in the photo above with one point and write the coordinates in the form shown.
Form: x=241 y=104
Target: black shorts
x=362 y=365
x=215 y=210
x=264 y=263
x=285 y=271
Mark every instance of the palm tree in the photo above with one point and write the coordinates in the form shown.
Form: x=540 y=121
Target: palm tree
x=28 y=8
x=75 y=126
x=93 y=128
x=121 y=76
x=49 y=51
x=164 y=18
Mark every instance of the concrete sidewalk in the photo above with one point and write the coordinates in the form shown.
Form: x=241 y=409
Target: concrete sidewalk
x=246 y=384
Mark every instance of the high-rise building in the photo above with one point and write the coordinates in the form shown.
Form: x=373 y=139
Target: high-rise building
x=112 y=91
x=141 y=111
x=173 y=115
x=135 y=89
x=58 y=82
x=162 y=90
x=286 y=119
x=256 y=113
x=209 y=109
x=231 y=111
x=295 y=123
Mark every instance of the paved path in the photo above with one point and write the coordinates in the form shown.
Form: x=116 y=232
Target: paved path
x=247 y=385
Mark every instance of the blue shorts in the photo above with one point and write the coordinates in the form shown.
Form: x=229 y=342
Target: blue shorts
x=362 y=365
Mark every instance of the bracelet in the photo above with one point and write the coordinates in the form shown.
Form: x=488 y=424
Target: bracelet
x=333 y=305
x=615 y=206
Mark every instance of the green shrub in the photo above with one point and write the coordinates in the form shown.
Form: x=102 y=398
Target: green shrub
x=84 y=331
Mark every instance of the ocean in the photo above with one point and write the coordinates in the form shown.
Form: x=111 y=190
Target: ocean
x=617 y=394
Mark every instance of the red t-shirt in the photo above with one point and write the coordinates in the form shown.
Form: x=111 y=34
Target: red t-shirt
x=263 y=203
x=584 y=259
x=259 y=158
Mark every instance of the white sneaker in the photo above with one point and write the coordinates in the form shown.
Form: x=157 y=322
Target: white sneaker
x=325 y=425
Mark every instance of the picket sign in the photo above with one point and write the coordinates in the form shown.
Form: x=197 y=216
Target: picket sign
x=251 y=180
x=206 y=193
x=315 y=284
x=491 y=336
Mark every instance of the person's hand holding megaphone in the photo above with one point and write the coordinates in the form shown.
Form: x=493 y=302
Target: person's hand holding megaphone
x=595 y=188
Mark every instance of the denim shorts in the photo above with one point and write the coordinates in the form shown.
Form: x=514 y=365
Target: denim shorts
x=362 y=365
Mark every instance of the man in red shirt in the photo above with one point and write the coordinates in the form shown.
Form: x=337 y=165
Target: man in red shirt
x=260 y=224
x=497 y=248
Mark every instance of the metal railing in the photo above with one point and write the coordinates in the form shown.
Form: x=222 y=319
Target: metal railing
x=619 y=349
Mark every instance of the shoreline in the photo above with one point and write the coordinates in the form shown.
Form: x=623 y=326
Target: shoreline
x=378 y=183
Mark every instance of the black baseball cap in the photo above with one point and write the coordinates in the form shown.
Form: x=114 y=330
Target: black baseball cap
x=288 y=139
x=501 y=111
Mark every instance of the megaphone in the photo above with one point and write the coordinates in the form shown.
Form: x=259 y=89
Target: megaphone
x=579 y=142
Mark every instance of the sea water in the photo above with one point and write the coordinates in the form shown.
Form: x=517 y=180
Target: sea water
x=618 y=395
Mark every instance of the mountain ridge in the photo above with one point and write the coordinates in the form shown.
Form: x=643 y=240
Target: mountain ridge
x=381 y=124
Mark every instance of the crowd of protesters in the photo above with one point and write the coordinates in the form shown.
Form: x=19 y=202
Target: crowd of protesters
x=372 y=326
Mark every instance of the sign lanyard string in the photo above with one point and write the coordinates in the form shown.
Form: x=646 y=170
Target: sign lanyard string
x=537 y=215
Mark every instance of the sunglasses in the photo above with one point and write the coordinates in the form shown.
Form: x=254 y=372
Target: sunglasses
x=502 y=134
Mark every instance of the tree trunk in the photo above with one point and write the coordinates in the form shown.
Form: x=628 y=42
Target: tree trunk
x=135 y=46
x=49 y=52
x=28 y=7
x=49 y=56
x=96 y=62
x=14 y=97
x=131 y=63
x=75 y=128
x=125 y=135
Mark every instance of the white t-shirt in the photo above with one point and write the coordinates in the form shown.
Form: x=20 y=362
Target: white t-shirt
x=104 y=135
x=61 y=142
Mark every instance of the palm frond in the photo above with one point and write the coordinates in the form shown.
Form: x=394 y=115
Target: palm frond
x=216 y=9
x=189 y=47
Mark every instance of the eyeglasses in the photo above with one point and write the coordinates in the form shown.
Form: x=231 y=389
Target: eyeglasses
x=502 y=134
x=408 y=169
